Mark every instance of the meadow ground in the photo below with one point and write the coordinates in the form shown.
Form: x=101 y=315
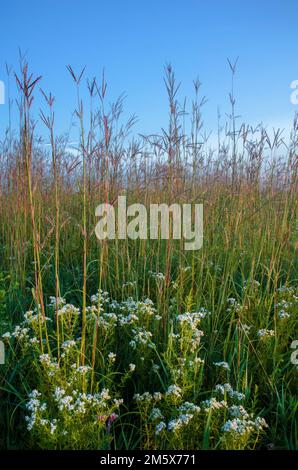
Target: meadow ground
x=139 y=344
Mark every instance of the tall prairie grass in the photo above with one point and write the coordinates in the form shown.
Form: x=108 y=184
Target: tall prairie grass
x=197 y=344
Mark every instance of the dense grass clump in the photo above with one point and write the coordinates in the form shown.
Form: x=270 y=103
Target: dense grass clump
x=129 y=344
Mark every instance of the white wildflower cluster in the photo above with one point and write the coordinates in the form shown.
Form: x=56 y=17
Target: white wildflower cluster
x=228 y=389
x=68 y=310
x=160 y=427
x=174 y=391
x=35 y=407
x=234 y=306
x=196 y=361
x=156 y=414
x=129 y=319
x=157 y=396
x=68 y=345
x=174 y=335
x=141 y=337
x=283 y=306
x=189 y=408
x=188 y=322
x=213 y=404
x=157 y=276
x=147 y=397
x=45 y=359
x=144 y=397
x=264 y=334
x=287 y=303
x=31 y=317
x=237 y=411
x=101 y=298
x=118 y=402
x=112 y=357
x=187 y=412
x=6 y=335
x=283 y=314
x=34 y=340
x=128 y=305
x=130 y=311
x=244 y=425
x=286 y=290
x=57 y=302
x=124 y=313
x=193 y=319
x=246 y=328
x=20 y=333
x=222 y=364
x=146 y=307
x=50 y=364
x=83 y=369
x=69 y=404
x=105 y=320
x=92 y=313
x=177 y=423
x=78 y=403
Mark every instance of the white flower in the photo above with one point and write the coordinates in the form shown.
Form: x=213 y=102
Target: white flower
x=222 y=364
x=34 y=394
x=158 y=276
x=100 y=298
x=20 y=333
x=157 y=396
x=59 y=393
x=174 y=425
x=238 y=395
x=227 y=388
x=187 y=406
x=6 y=335
x=244 y=425
x=246 y=328
x=283 y=314
x=68 y=344
x=132 y=367
x=174 y=390
x=68 y=309
x=59 y=302
x=160 y=427
x=34 y=340
x=45 y=359
x=182 y=420
x=53 y=427
x=83 y=369
x=144 y=397
x=223 y=388
x=263 y=333
x=118 y=402
x=112 y=357
x=105 y=394
x=156 y=414
x=213 y=404
x=238 y=411
x=234 y=305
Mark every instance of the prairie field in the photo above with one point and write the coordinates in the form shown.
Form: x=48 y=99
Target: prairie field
x=128 y=344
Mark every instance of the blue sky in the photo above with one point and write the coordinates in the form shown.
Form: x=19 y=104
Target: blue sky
x=134 y=39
